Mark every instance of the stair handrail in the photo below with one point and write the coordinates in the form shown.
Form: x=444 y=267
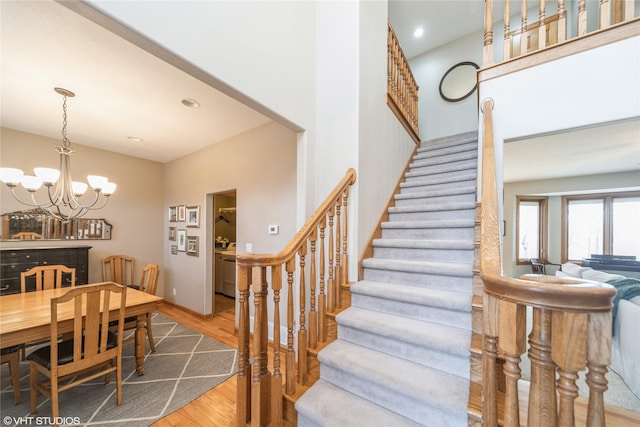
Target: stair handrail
x=260 y=390
x=577 y=311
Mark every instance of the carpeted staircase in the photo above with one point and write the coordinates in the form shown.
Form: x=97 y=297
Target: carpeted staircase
x=402 y=353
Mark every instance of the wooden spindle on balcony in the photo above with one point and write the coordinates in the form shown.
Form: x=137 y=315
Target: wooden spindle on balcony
x=487 y=50
x=605 y=14
x=507 y=31
x=542 y=29
x=582 y=17
x=562 y=22
x=524 y=42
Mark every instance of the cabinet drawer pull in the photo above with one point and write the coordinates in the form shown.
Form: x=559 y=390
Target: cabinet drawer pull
x=4 y=288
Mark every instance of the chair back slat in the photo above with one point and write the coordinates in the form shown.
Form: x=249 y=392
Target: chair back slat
x=149 y=279
x=49 y=277
x=118 y=269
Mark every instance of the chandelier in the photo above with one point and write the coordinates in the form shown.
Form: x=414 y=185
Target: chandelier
x=63 y=193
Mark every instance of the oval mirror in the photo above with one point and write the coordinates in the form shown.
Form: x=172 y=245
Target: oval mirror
x=459 y=82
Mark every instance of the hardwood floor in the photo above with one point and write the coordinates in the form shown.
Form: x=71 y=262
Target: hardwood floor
x=217 y=407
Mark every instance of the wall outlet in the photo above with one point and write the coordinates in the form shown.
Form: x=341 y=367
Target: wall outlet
x=274 y=229
x=174 y=292
x=248 y=247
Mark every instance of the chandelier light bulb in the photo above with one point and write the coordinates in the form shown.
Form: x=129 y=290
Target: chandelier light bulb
x=97 y=182
x=48 y=176
x=31 y=183
x=11 y=176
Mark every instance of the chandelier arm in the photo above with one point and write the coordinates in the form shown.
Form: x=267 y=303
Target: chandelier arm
x=35 y=204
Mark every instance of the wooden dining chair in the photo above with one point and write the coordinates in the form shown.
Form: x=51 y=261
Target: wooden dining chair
x=148 y=284
x=48 y=277
x=118 y=269
x=92 y=350
x=11 y=355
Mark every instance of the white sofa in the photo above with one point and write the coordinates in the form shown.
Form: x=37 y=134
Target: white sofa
x=625 y=347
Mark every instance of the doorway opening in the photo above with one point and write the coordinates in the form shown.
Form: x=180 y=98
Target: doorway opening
x=224 y=252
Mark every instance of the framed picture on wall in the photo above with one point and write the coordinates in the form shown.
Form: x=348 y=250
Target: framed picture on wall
x=173 y=213
x=193 y=216
x=192 y=245
x=172 y=233
x=174 y=249
x=182 y=240
x=181 y=213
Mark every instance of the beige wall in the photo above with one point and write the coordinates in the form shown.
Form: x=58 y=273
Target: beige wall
x=261 y=166
x=135 y=211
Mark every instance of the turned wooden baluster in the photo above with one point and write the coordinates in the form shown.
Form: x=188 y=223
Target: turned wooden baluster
x=542 y=29
x=276 y=382
x=313 y=314
x=244 y=367
x=562 y=22
x=489 y=356
x=291 y=354
x=582 y=17
x=261 y=385
x=524 y=42
x=542 y=392
x=569 y=352
x=331 y=303
x=605 y=12
x=322 y=298
x=513 y=340
x=507 y=30
x=598 y=358
x=487 y=50
x=345 y=257
x=338 y=270
x=302 y=331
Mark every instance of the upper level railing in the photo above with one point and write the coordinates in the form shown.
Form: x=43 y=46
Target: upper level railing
x=571 y=326
x=319 y=250
x=402 y=89
x=547 y=30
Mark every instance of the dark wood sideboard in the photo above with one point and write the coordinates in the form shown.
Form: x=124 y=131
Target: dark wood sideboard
x=14 y=261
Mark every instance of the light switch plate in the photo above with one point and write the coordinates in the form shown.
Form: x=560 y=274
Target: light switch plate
x=274 y=229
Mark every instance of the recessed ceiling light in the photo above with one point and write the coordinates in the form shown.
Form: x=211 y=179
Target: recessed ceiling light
x=190 y=102
x=135 y=139
x=418 y=32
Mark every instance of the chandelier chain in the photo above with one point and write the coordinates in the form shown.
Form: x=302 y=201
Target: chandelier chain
x=65 y=140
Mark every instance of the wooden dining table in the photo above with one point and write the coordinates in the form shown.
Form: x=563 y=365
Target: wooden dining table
x=26 y=317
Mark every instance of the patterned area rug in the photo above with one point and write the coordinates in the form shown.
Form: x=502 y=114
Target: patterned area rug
x=185 y=365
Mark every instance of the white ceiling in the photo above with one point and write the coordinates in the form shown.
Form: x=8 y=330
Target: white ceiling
x=123 y=91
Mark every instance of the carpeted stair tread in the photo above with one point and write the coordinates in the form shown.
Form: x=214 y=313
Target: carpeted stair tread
x=448 y=141
x=441 y=159
x=434 y=180
x=422 y=267
x=468 y=189
x=424 y=244
x=453 y=206
x=450 y=300
x=454 y=168
x=423 y=394
x=326 y=405
x=454 y=341
x=442 y=223
x=440 y=151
